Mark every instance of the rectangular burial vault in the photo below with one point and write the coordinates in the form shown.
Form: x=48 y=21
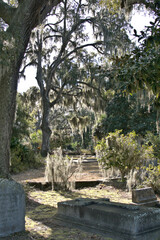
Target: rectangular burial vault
x=125 y=220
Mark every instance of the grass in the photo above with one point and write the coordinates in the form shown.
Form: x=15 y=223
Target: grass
x=41 y=208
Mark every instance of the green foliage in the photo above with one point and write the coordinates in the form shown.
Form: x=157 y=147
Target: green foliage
x=60 y=140
x=154 y=141
x=24 y=142
x=99 y=129
x=22 y=120
x=36 y=140
x=153 y=178
x=36 y=136
x=113 y=6
x=122 y=152
x=140 y=69
x=75 y=146
x=22 y=157
x=128 y=114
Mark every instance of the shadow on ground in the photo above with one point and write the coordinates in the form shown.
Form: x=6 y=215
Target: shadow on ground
x=42 y=224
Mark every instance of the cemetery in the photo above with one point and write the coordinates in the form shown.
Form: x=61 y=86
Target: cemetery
x=99 y=212
x=79 y=120
x=123 y=221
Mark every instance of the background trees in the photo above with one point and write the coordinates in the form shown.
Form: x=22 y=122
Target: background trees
x=18 y=22
x=138 y=72
x=140 y=69
x=26 y=135
x=67 y=73
x=127 y=112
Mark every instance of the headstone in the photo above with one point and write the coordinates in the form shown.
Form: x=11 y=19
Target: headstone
x=124 y=221
x=12 y=207
x=144 y=196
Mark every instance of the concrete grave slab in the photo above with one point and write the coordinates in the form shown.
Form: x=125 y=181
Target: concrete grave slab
x=121 y=221
x=12 y=207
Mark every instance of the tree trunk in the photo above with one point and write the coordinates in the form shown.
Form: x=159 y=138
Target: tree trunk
x=7 y=110
x=122 y=175
x=13 y=43
x=46 y=131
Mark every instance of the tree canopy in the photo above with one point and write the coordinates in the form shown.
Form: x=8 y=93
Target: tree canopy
x=18 y=19
x=66 y=71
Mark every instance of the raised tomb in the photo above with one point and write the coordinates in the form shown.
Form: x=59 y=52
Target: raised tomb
x=121 y=221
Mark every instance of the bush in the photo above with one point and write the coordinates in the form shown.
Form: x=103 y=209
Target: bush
x=61 y=169
x=122 y=152
x=36 y=140
x=23 y=158
x=154 y=141
x=153 y=178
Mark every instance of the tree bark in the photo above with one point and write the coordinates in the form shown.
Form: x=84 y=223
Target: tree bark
x=46 y=131
x=7 y=109
x=13 y=44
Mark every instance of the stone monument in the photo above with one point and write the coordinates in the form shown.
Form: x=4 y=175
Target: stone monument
x=12 y=207
x=144 y=197
x=116 y=220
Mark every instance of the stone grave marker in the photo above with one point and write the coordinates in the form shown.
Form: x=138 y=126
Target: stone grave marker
x=144 y=197
x=12 y=207
x=120 y=221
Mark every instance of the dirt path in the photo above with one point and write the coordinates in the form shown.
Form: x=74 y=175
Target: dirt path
x=90 y=172
x=30 y=175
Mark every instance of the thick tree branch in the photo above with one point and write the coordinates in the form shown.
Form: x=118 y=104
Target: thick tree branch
x=65 y=40
x=32 y=63
x=52 y=36
x=6 y=12
x=47 y=8
x=58 y=95
x=60 y=59
x=81 y=47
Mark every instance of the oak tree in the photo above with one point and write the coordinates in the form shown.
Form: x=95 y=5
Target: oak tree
x=18 y=21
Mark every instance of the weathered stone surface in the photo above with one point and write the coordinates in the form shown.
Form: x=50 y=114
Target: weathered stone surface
x=12 y=207
x=144 y=196
x=128 y=221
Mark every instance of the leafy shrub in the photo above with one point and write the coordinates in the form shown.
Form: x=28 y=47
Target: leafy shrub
x=36 y=140
x=153 y=178
x=122 y=152
x=154 y=141
x=23 y=158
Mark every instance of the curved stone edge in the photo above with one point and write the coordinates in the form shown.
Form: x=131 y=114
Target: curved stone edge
x=12 y=207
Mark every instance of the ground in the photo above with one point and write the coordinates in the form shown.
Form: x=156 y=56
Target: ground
x=41 y=207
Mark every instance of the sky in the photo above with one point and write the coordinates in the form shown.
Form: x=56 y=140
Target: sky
x=139 y=21
x=29 y=81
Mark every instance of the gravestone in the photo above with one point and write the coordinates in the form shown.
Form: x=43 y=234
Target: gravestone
x=144 y=197
x=121 y=221
x=12 y=207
